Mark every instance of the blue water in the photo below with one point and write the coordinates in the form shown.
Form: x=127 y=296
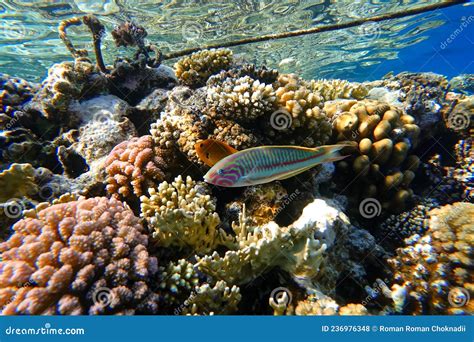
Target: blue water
x=434 y=54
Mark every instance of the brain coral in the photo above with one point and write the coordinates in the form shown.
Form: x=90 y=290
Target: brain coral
x=133 y=166
x=242 y=99
x=182 y=214
x=433 y=273
x=82 y=257
x=196 y=69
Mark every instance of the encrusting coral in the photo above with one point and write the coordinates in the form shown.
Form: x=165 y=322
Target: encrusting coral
x=133 y=166
x=68 y=82
x=197 y=68
x=383 y=137
x=339 y=89
x=17 y=181
x=85 y=256
x=182 y=214
x=433 y=273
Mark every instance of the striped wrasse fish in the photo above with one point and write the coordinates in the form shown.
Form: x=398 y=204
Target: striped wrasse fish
x=265 y=164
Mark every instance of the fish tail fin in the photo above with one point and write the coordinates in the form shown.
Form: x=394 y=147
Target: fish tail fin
x=330 y=153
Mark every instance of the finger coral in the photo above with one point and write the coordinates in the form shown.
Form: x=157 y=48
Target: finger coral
x=300 y=113
x=197 y=68
x=81 y=257
x=133 y=166
x=182 y=214
x=433 y=273
x=383 y=138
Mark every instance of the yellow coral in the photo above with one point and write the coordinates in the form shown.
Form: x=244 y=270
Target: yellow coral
x=433 y=273
x=183 y=215
x=194 y=70
x=17 y=181
x=339 y=89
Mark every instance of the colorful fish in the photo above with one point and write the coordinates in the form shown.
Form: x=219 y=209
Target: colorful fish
x=210 y=151
x=265 y=164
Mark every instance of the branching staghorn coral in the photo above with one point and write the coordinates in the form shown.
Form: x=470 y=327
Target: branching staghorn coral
x=433 y=274
x=133 y=166
x=182 y=214
x=65 y=258
x=198 y=67
x=316 y=305
x=299 y=249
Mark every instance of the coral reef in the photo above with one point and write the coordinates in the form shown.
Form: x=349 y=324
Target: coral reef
x=133 y=166
x=100 y=179
x=242 y=99
x=66 y=83
x=433 y=273
x=85 y=256
x=383 y=138
x=197 y=68
x=182 y=214
x=339 y=89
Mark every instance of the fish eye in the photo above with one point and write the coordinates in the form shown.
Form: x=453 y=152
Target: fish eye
x=220 y=172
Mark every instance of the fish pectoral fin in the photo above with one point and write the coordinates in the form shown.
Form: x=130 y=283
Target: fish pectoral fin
x=295 y=173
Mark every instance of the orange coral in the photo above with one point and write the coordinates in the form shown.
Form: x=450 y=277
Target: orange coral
x=133 y=166
x=84 y=256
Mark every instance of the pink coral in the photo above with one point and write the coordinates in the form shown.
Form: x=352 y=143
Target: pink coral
x=133 y=166
x=82 y=257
